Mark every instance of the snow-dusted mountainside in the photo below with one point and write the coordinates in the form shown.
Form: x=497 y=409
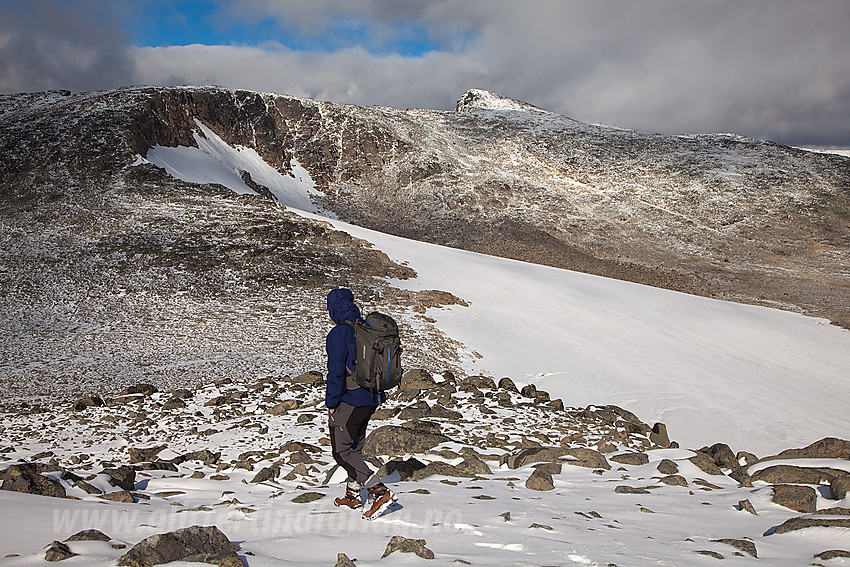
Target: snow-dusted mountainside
x=716 y=215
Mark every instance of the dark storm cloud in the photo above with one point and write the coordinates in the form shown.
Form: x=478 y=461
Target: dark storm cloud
x=48 y=44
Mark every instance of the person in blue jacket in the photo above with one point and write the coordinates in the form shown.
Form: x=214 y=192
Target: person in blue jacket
x=350 y=408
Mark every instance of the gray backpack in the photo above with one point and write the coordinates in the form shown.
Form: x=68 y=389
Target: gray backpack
x=378 y=353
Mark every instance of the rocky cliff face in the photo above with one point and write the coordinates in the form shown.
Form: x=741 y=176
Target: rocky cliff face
x=716 y=215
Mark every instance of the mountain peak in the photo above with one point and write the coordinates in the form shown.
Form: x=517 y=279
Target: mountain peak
x=478 y=98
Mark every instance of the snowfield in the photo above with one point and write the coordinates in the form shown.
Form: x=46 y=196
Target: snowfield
x=758 y=379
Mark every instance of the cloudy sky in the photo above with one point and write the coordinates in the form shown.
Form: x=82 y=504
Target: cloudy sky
x=775 y=69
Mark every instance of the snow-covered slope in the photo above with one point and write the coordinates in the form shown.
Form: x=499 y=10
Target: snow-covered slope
x=711 y=370
x=758 y=379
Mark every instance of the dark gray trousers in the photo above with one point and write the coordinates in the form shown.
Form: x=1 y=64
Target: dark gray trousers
x=348 y=434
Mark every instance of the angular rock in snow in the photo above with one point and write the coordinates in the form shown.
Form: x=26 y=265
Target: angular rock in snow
x=541 y=479
x=839 y=487
x=584 y=457
x=666 y=466
x=405 y=468
x=202 y=544
x=625 y=489
x=706 y=464
x=342 y=560
x=659 y=436
x=405 y=545
x=418 y=379
x=142 y=455
x=826 y=448
x=747 y=506
x=119 y=496
x=832 y=554
x=395 y=440
x=144 y=389
x=795 y=524
x=674 y=480
x=744 y=545
x=508 y=384
x=722 y=455
x=799 y=498
x=25 y=478
x=789 y=474
x=123 y=477
x=270 y=472
x=89 y=535
x=58 y=551
x=631 y=459
x=91 y=401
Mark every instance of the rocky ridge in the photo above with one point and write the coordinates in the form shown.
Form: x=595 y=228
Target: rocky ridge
x=236 y=455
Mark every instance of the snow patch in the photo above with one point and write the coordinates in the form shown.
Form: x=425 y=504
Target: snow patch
x=215 y=161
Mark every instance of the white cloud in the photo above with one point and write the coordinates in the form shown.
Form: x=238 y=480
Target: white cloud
x=777 y=69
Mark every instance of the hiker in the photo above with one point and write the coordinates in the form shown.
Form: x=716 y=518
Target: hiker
x=350 y=408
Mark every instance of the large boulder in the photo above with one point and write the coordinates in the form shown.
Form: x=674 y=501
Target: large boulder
x=25 y=478
x=826 y=448
x=584 y=457
x=395 y=440
x=417 y=379
x=201 y=544
x=800 y=498
x=789 y=474
x=146 y=454
x=122 y=477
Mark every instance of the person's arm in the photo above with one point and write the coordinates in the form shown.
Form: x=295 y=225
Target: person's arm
x=337 y=350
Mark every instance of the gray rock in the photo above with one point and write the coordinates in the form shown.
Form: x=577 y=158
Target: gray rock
x=308 y=497
x=394 y=440
x=832 y=554
x=839 y=487
x=706 y=464
x=747 y=506
x=744 y=545
x=674 y=480
x=827 y=448
x=795 y=524
x=142 y=455
x=584 y=457
x=631 y=459
x=405 y=468
x=722 y=455
x=417 y=379
x=202 y=544
x=799 y=498
x=709 y=553
x=405 y=545
x=83 y=403
x=659 y=436
x=89 y=535
x=789 y=474
x=25 y=478
x=58 y=551
x=123 y=477
x=666 y=466
x=342 y=560
x=270 y=472
x=311 y=378
x=625 y=489
x=541 y=480
x=119 y=496
x=143 y=389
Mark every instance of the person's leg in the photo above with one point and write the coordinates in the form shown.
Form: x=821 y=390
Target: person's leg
x=348 y=436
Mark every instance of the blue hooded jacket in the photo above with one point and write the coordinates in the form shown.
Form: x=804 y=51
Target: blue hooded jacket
x=342 y=353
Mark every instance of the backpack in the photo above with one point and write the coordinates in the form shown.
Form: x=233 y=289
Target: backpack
x=378 y=353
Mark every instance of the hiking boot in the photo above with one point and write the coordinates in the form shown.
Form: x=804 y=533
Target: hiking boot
x=351 y=498
x=380 y=498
